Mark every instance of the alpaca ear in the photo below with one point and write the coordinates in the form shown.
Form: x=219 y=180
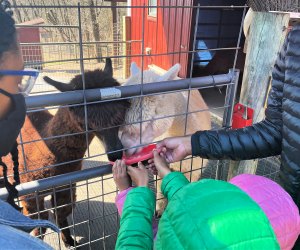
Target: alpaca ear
x=108 y=67
x=171 y=74
x=134 y=69
x=62 y=87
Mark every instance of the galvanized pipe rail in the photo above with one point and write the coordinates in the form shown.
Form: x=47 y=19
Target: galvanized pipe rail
x=92 y=95
x=59 y=180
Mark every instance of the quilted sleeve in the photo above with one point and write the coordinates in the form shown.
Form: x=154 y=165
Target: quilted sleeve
x=172 y=183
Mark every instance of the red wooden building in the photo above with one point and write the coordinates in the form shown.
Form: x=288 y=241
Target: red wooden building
x=26 y=35
x=168 y=32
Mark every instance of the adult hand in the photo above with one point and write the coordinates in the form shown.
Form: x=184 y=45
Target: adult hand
x=139 y=175
x=158 y=164
x=175 y=148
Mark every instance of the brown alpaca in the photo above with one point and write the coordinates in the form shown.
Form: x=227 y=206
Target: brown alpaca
x=221 y=63
x=68 y=120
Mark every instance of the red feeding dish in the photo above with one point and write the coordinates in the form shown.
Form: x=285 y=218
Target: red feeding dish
x=143 y=156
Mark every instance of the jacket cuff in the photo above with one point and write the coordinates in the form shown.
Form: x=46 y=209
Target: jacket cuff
x=172 y=183
x=195 y=141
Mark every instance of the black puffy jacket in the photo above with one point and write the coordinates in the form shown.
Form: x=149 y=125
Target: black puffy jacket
x=278 y=133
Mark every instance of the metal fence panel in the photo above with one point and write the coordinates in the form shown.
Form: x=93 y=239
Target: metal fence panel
x=64 y=50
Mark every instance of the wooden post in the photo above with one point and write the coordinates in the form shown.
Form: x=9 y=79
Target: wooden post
x=126 y=46
x=267 y=34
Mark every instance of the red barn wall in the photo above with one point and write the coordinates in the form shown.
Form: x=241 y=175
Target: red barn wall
x=32 y=53
x=165 y=34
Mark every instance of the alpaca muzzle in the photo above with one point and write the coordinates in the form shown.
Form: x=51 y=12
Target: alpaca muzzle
x=115 y=156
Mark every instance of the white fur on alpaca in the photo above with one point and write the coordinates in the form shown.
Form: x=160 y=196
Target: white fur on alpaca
x=159 y=106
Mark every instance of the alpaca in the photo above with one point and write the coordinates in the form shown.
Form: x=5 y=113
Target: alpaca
x=221 y=63
x=68 y=120
x=159 y=106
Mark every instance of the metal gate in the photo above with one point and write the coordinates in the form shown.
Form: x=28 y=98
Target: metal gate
x=66 y=48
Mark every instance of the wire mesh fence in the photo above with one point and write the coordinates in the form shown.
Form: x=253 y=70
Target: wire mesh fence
x=93 y=221
x=67 y=136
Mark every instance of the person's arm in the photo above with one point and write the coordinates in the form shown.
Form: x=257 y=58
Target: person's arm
x=262 y=139
x=136 y=222
x=172 y=183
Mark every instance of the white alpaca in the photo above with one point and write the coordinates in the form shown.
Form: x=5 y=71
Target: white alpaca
x=155 y=107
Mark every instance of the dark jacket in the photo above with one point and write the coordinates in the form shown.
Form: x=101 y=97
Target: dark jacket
x=278 y=133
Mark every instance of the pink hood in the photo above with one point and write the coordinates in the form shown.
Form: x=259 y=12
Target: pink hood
x=277 y=204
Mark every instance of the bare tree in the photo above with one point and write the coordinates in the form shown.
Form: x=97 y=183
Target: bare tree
x=17 y=12
x=96 y=30
x=98 y=24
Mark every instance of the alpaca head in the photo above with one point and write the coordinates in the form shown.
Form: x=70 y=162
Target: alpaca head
x=155 y=106
x=103 y=118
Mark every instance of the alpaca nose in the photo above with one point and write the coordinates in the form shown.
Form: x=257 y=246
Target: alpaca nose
x=130 y=152
x=115 y=156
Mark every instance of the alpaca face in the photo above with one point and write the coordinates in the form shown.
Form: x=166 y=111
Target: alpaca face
x=143 y=128
x=103 y=118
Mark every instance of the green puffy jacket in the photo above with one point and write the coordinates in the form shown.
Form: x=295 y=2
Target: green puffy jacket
x=208 y=214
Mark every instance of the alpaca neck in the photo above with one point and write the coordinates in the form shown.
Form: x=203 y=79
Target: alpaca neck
x=64 y=123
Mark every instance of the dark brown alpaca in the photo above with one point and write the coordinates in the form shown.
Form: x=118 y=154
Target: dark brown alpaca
x=221 y=63
x=68 y=120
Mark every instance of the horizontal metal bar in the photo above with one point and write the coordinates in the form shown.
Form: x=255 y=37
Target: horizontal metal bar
x=215 y=38
x=195 y=61
x=218 y=24
x=127 y=7
x=91 y=95
x=45 y=26
x=59 y=180
x=218 y=49
x=77 y=43
x=127 y=56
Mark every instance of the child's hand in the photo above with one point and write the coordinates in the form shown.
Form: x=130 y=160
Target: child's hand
x=121 y=177
x=139 y=175
x=159 y=165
